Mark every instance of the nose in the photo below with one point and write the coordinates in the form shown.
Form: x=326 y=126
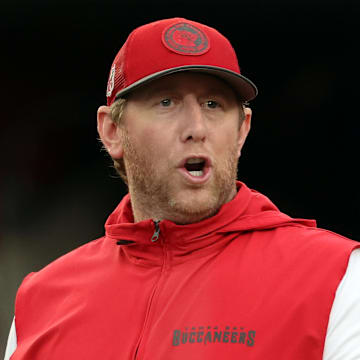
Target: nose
x=194 y=125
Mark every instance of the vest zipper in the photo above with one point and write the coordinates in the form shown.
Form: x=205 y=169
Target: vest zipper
x=156 y=234
x=155 y=292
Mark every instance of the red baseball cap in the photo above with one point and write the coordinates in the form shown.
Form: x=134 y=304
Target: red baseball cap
x=172 y=45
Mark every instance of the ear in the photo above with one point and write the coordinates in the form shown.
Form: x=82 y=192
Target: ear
x=109 y=133
x=244 y=129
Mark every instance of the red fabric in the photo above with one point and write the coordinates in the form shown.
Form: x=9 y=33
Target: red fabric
x=249 y=283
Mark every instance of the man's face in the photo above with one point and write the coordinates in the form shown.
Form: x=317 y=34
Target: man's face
x=181 y=141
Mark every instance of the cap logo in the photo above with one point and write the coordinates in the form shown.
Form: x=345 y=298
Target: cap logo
x=185 y=39
x=111 y=81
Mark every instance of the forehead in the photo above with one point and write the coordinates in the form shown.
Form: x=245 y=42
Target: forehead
x=192 y=82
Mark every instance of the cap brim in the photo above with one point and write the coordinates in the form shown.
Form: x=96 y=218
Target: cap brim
x=244 y=87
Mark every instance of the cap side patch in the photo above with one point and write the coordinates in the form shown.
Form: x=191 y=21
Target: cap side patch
x=111 y=81
x=185 y=39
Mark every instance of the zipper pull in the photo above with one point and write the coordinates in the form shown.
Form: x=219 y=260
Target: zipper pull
x=156 y=234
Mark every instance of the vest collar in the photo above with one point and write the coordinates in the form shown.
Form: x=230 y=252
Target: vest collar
x=248 y=211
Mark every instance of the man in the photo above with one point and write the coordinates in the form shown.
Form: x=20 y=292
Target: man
x=194 y=264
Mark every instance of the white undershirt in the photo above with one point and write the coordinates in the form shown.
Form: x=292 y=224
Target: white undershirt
x=12 y=342
x=343 y=334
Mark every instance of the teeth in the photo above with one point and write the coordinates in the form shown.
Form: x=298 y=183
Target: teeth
x=196 y=173
x=195 y=161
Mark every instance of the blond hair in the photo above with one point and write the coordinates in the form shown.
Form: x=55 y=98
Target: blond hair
x=117 y=110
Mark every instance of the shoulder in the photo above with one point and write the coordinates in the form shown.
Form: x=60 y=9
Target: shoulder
x=69 y=276
x=305 y=246
x=62 y=283
x=70 y=264
x=308 y=236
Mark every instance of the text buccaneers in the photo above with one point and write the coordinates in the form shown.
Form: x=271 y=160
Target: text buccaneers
x=201 y=335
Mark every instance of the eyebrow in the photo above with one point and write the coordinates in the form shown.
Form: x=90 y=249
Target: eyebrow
x=150 y=91
x=159 y=88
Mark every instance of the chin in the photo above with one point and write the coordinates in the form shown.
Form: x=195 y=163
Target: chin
x=194 y=206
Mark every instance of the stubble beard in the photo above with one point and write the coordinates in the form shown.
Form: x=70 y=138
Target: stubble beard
x=155 y=196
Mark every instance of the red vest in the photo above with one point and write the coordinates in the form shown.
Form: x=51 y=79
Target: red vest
x=248 y=283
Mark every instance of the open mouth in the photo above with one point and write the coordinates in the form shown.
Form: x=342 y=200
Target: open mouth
x=195 y=166
x=196 y=169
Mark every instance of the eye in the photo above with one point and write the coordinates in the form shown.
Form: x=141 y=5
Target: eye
x=212 y=104
x=165 y=102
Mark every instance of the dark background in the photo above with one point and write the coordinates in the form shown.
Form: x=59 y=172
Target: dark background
x=57 y=187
